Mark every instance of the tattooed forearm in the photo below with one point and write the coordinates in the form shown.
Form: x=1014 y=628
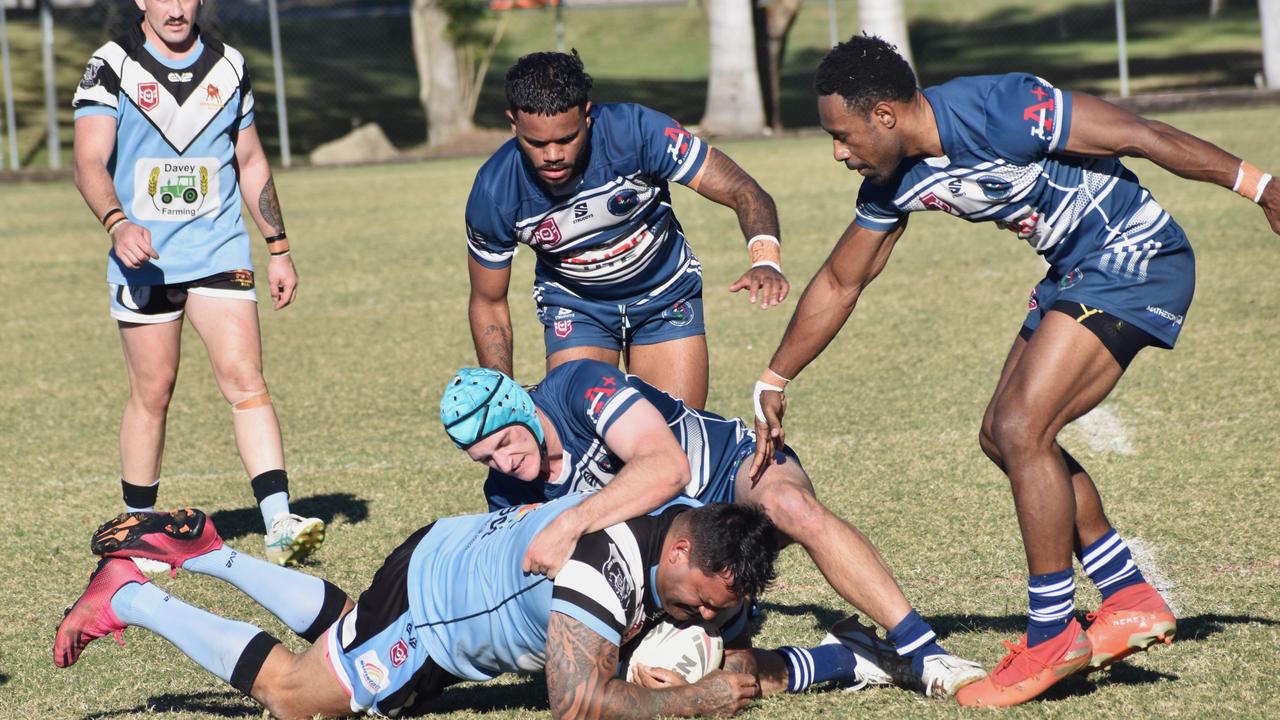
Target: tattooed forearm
x=580 y=682
x=269 y=206
x=731 y=186
x=494 y=348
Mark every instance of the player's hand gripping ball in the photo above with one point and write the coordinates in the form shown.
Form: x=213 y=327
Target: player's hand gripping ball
x=691 y=650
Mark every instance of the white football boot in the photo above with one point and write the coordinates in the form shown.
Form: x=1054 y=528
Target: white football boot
x=292 y=538
x=876 y=662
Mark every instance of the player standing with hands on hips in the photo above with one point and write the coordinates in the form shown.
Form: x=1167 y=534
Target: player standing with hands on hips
x=165 y=144
x=1041 y=162
x=586 y=187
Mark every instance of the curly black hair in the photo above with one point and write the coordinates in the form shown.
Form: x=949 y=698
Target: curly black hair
x=547 y=83
x=864 y=71
x=739 y=539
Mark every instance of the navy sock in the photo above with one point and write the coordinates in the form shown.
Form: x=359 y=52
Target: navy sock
x=915 y=640
x=1052 y=603
x=805 y=667
x=1109 y=564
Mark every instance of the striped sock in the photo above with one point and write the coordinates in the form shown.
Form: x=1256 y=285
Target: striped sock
x=1052 y=604
x=815 y=665
x=915 y=640
x=1109 y=564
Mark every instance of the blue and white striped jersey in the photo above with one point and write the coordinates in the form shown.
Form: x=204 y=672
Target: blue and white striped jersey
x=174 y=162
x=613 y=235
x=1004 y=138
x=481 y=616
x=583 y=398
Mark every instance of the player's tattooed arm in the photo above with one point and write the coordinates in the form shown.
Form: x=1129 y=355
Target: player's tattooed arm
x=490 y=316
x=581 y=682
x=494 y=348
x=269 y=206
x=722 y=180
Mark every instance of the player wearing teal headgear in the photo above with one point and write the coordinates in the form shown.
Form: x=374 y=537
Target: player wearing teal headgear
x=479 y=402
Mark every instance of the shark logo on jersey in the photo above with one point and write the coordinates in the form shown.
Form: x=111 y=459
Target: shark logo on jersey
x=618 y=574
x=90 y=77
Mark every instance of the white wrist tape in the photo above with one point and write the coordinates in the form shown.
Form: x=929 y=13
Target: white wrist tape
x=768 y=264
x=762 y=387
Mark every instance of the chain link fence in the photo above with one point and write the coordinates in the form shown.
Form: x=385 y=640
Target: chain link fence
x=348 y=62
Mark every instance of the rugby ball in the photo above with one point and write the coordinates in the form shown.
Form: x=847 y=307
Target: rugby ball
x=691 y=649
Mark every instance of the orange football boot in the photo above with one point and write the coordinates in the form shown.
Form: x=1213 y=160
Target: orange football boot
x=1026 y=672
x=1131 y=620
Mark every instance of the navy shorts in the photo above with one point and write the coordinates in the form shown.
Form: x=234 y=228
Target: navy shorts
x=1149 y=285
x=153 y=304
x=570 y=320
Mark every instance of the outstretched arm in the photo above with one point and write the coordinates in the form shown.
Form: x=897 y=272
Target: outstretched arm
x=581 y=682
x=258 y=189
x=1100 y=129
x=490 y=316
x=722 y=180
x=824 y=307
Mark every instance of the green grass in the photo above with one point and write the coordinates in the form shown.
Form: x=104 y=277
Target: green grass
x=341 y=72
x=886 y=421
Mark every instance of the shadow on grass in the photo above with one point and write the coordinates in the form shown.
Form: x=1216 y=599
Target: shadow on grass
x=233 y=524
x=221 y=704
x=528 y=693
x=4 y=679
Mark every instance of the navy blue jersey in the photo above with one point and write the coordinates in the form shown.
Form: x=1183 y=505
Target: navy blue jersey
x=583 y=398
x=1003 y=139
x=611 y=236
x=480 y=615
x=174 y=165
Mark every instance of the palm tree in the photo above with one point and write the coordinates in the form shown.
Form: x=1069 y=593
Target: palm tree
x=886 y=19
x=734 y=102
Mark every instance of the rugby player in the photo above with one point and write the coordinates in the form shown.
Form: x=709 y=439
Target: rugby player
x=1043 y=163
x=586 y=187
x=165 y=145
x=589 y=426
x=450 y=604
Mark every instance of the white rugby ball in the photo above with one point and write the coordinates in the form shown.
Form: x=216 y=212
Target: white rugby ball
x=692 y=650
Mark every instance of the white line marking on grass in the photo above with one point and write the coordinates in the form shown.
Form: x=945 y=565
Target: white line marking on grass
x=1145 y=557
x=1103 y=431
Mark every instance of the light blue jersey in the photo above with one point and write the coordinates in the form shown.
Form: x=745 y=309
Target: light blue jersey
x=1004 y=140
x=613 y=236
x=462 y=605
x=174 y=163
x=582 y=399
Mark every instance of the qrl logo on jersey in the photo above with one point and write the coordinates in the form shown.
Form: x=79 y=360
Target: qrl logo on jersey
x=547 y=233
x=399 y=653
x=148 y=95
x=933 y=202
x=563 y=328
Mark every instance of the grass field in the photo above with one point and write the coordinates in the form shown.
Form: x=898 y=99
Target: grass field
x=886 y=421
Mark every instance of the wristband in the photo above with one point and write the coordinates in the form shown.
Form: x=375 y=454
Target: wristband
x=117 y=224
x=765 y=251
x=1250 y=182
x=110 y=212
x=278 y=246
x=769 y=381
x=280 y=254
x=276 y=238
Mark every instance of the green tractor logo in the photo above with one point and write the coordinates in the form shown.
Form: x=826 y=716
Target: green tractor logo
x=184 y=186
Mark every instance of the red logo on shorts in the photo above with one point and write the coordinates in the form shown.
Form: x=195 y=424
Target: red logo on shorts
x=547 y=233
x=148 y=95
x=563 y=328
x=399 y=653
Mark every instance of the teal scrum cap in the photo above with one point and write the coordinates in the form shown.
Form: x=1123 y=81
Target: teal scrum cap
x=479 y=402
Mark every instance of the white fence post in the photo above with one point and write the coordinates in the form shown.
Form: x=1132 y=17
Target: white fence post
x=282 y=114
x=10 y=126
x=50 y=85
x=1123 y=50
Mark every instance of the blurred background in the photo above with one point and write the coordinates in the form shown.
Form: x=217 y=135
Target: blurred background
x=429 y=73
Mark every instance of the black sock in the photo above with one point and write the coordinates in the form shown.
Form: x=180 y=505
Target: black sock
x=142 y=497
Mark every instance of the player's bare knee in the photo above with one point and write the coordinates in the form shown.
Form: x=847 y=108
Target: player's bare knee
x=1016 y=432
x=794 y=510
x=152 y=397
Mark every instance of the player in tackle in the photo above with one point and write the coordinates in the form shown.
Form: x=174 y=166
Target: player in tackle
x=586 y=187
x=589 y=426
x=451 y=604
x=1043 y=163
